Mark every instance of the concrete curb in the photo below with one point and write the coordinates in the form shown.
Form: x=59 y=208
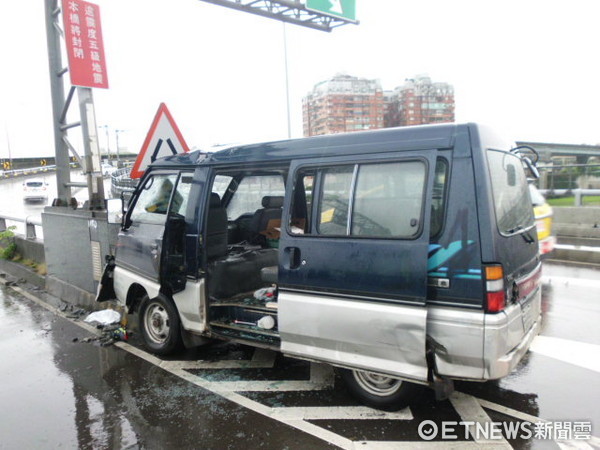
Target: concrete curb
x=54 y=287
x=23 y=272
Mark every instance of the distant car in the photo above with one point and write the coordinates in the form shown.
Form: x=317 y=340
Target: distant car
x=35 y=190
x=543 y=220
x=108 y=169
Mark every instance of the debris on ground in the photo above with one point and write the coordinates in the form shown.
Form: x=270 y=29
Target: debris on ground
x=104 y=317
x=110 y=334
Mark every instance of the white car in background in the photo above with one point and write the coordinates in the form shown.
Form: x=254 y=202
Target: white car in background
x=35 y=190
x=108 y=169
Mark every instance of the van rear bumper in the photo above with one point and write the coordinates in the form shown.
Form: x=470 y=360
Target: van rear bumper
x=475 y=346
x=500 y=367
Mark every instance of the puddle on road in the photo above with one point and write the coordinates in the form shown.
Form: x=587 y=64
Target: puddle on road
x=70 y=394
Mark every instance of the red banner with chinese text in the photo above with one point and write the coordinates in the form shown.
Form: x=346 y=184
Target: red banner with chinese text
x=85 y=49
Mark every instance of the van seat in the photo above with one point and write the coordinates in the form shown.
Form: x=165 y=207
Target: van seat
x=266 y=220
x=239 y=272
x=269 y=274
x=216 y=228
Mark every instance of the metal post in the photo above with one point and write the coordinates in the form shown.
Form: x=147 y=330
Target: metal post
x=118 y=154
x=91 y=148
x=63 y=173
x=8 y=146
x=29 y=230
x=107 y=141
x=578 y=195
x=287 y=84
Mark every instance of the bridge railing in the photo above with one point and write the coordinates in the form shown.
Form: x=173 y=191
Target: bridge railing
x=30 y=222
x=120 y=182
x=569 y=176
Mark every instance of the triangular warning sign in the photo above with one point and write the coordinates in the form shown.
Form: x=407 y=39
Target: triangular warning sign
x=163 y=139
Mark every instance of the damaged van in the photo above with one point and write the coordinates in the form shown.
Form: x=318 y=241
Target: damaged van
x=403 y=257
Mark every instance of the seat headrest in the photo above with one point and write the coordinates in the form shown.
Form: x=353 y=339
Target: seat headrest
x=215 y=200
x=272 y=201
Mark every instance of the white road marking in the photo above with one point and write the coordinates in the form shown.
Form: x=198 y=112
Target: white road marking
x=322 y=378
x=339 y=413
x=433 y=445
x=262 y=359
x=593 y=441
x=469 y=410
x=571 y=281
x=573 y=352
x=587 y=248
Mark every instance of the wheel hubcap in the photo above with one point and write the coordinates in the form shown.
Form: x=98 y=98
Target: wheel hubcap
x=157 y=323
x=379 y=385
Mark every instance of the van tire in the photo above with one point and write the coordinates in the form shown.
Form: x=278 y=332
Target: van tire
x=378 y=391
x=160 y=325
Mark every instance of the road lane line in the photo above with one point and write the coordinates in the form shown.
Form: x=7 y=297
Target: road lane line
x=524 y=417
x=570 y=281
x=307 y=427
x=339 y=413
x=469 y=410
x=573 y=352
x=432 y=445
x=320 y=375
x=267 y=386
x=262 y=362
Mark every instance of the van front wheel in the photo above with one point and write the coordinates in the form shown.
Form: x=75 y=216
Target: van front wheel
x=380 y=391
x=160 y=325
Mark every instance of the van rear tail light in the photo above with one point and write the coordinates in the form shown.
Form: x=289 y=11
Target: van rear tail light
x=494 y=283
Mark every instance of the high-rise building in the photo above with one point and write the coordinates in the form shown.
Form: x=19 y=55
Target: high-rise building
x=419 y=101
x=342 y=104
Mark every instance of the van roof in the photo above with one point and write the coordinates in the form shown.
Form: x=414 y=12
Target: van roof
x=403 y=138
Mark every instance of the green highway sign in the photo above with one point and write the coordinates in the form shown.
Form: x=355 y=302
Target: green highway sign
x=344 y=9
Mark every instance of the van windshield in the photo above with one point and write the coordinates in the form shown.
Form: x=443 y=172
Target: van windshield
x=514 y=211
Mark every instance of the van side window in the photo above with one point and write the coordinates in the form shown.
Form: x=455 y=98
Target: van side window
x=182 y=194
x=383 y=200
x=438 y=200
x=334 y=202
x=221 y=184
x=153 y=201
x=249 y=194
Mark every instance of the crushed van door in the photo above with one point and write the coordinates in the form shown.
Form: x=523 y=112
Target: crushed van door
x=346 y=221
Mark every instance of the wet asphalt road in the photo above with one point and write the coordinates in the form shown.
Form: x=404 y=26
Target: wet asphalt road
x=58 y=391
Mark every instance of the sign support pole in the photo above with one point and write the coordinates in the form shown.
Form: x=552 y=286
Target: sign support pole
x=63 y=173
x=92 y=155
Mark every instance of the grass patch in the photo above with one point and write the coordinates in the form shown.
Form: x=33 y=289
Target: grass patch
x=8 y=247
x=588 y=200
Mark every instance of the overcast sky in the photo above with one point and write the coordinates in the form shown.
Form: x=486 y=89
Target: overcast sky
x=529 y=68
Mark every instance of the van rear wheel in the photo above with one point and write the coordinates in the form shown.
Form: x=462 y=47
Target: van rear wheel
x=380 y=391
x=160 y=325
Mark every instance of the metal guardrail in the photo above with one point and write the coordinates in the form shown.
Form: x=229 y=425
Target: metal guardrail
x=121 y=182
x=11 y=173
x=30 y=224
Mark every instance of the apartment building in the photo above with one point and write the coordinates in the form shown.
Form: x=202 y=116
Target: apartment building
x=343 y=104
x=419 y=101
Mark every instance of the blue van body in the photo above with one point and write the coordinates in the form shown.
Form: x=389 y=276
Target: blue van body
x=398 y=255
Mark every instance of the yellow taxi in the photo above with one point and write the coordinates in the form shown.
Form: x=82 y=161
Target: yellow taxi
x=543 y=220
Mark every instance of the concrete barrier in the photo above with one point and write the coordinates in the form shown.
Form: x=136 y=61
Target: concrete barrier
x=582 y=222
x=31 y=249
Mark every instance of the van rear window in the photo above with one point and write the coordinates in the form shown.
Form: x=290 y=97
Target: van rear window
x=514 y=211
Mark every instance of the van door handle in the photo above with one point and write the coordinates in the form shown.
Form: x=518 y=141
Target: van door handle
x=293 y=257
